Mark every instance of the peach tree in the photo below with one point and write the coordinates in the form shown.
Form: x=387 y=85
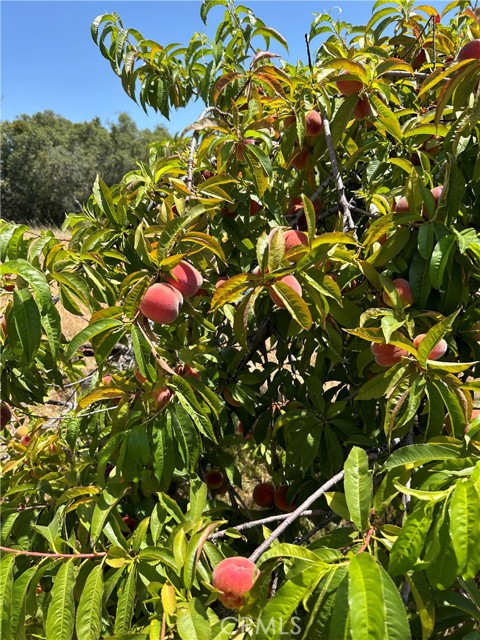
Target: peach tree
x=286 y=297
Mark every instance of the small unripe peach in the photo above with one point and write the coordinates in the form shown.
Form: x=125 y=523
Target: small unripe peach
x=186 y=279
x=294 y=238
x=161 y=303
x=214 y=479
x=438 y=350
x=470 y=50
x=314 y=123
x=387 y=355
x=293 y=283
x=280 y=499
x=162 y=396
x=5 y=414
x=234 y=577
x=349 y=87
x=263 y=494
x=404 y=292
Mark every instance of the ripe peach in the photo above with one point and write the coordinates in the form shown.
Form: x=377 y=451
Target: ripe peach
x=186 y=279
x=254 y=207
x=349 y=87
x=107 y=379
x=402 y=205
x=161 y=303
x=222 y=489
x=299 y=160
x=387 y=355
x=3 y=325
x=436 y=193
x=263 y=494
x=227 y=395
x=234 y=577
x=214 y=479
x=293 y=283
x=404 y=291
x=419 y=60
x=190 y=372
x=25 y=440
x=470 y=50
x=294 y=238
x=314 y=123
x=280 y=499
x=139 y=376
x=206 y=173
x=5 y=414
x=162 y=396
x=362 y=110
x=220 y=281
x=130 y=522
x=438 y=350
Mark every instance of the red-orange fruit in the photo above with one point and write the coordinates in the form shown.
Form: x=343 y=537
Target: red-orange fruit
x=475 y=414
x=234 y=577
x=5 y=414
x=294 y=238
x=254 y=207
x=139 y=376
x=438 y=350
x=419 y=60
x=161 y=303
x=314 y=123
x=162 y=396
x=186 y=279
x=206 y=173
x=280 y=499
x=349 y=87
x=402 y=205
x=220 y=281
x=263 y=494
x=214 y=479
x=190 y=372
x=25 y=440
x=470 y=50
x=222 y=489
x=292 y=282
x=362 y=110
x=3 y=325
x=387 y=355
x=130 y=522
x=404 y=291
x=300 y=158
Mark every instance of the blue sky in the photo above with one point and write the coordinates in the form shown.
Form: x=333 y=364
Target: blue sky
x=49 y=60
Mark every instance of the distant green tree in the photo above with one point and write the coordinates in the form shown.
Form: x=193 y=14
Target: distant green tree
x=50 y=163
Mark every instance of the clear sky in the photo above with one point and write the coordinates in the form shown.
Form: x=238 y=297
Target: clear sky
x=49 y=60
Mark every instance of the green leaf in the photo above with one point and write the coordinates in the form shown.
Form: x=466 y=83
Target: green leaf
x=433 y=337
x=376 y=608
x=35 y=278
x=408 y=546
x=193 y=622
x=6 y=584
x=423 y=597
x=386 y=118
x=95 y=329
x=89 y=613
x=296 y=305
x=417 y=454
x=126 y=602
x=27 y=322
x=465 y=527
x=358 y=488
x=440 y=257
x=61 y=612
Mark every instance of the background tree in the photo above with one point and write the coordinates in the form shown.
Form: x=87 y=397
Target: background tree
x=50 y=163
x=293 y=289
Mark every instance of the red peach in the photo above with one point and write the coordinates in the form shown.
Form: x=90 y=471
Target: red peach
x=314 y=123
x=220 y=281
x=254 y=207
x=206 y=173
x=130 y=522
x=404 y=292
x=294 y=238
x=387 y=355
x=436 y=193
x=475 y=414
x=438 y=350
x=190 y=372
x=5 y=414
x=161 y=303
x=280 y=499
x=300 y=158
x=402 y=205
x=3 y=325
x=362 y=110
x=263 y=494
x=139 y=376
x=214 y=479
x=234 y=577
x=419 y=60
x=349 y=87
x=162 y=396
x=222 y=489
x=186 y=279
x=470 y=50
x=293 y=283
x=25 y=440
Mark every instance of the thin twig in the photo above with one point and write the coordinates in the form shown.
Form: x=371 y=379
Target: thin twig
x=294 y=515
x=366 y=542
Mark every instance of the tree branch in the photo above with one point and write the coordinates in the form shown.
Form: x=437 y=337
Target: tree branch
x=21 y=552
